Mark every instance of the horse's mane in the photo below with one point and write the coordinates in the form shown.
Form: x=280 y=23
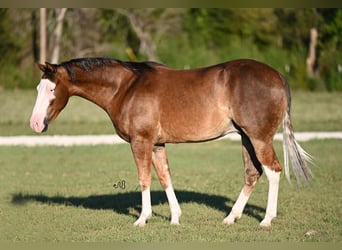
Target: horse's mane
x=91 y=63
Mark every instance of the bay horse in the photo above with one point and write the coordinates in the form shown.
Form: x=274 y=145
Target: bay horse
x=151 y=104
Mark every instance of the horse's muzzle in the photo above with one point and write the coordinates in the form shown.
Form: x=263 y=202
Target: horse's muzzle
x=39 y=124
x=46 y=125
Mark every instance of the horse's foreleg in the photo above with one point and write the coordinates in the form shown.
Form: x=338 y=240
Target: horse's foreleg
x=142 y=152
x=253 y=171
x=160 y=163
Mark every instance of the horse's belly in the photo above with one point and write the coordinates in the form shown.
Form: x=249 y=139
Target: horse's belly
x=194 y=131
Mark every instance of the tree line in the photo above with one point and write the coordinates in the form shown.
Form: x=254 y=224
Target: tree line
x=303 y=44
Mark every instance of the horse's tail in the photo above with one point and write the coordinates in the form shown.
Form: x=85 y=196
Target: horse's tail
x=292 y=150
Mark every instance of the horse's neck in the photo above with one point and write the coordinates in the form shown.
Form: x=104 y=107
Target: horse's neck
x=97 y=94
x=101 y=92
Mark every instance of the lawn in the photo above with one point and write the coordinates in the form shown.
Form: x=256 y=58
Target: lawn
x=66 y=194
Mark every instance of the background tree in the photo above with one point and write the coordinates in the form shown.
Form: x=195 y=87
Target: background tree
x=42 y=35
x=181 y=38
x=60 y=13
x=9 y=44
x=149 y=25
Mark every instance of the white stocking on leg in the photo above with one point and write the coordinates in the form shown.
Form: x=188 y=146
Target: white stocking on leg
x=174 y=206
x=146 y=211
x=237 y=208
x=271 y=209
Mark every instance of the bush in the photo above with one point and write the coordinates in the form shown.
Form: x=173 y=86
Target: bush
x=12 y=76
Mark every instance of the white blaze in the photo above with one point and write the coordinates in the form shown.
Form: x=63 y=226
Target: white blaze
x=46 y=93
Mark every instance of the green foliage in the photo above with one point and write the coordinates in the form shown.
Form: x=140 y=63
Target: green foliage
x=330 y=61
x=17 y=69
x=184 y=38
x=8 y=41
x=221 y=27
x=14 y=76
x=114 y=28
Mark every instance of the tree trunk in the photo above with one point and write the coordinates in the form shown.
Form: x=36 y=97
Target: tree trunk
x=311 y=59
x=139 y=20
x=58 y=35
x=42 y=35
x=35 y=46
x=147 y=44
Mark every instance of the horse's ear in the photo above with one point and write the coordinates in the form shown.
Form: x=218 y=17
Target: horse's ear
x=51 y=67
x=42 y=67
x=48 y=67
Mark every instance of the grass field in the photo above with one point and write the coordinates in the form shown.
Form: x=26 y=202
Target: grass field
x=66 y=194
x=310 y=112
x=58 y=194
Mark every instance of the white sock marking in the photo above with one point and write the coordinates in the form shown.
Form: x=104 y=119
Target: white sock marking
x=237 y=209
x=173 y=203
x=271 y=209
x=146 y=210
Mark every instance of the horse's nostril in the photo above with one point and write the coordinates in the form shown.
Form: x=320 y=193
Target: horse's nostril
x=46 y=121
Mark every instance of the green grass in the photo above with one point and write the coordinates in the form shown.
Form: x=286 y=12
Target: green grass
x=314 y=111
x=66 y=194
x=310 y=112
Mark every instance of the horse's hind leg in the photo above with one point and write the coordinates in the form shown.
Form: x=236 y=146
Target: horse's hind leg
x=268 y=158
x=160 y=163
x=253 y=171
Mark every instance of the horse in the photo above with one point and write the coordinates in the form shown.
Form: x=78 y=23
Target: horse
x=151 y=104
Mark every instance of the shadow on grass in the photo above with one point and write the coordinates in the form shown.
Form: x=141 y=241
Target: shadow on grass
x=123 y=203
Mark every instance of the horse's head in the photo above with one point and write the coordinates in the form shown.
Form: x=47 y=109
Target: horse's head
x=52 y=97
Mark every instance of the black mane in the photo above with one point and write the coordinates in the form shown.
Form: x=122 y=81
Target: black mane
x=91 y=63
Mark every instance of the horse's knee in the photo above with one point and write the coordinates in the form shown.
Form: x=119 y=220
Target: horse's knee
x=251 y=175
x=145 y=181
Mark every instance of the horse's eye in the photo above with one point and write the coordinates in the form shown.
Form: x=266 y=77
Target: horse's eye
x=53 y=90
